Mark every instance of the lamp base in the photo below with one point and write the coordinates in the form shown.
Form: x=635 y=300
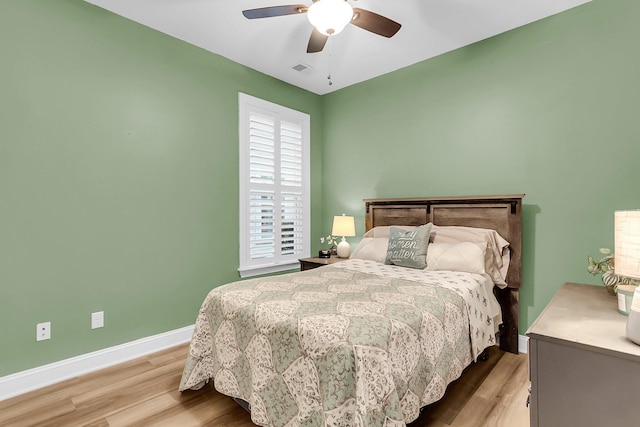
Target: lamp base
x=344 y=249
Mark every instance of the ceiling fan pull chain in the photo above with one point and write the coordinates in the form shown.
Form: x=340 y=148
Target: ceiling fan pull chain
x=330 y=54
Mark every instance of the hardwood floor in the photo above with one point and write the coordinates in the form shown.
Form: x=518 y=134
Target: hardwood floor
x=144 y=392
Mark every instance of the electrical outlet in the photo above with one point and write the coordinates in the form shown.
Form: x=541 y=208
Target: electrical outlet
x=97 y=320
x=43 y=331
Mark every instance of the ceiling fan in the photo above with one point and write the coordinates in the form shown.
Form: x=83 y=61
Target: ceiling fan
x=328 y=18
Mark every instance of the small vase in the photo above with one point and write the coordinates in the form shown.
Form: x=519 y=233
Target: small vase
x=625 y=298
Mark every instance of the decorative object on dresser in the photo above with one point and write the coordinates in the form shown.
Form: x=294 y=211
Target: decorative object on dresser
x=625 y=298
x=583 y=371
x=605 y=267
x=618 y=285
x=627 y=262
x=343 y=226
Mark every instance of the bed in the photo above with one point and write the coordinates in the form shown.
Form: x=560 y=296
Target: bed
x=361 y=342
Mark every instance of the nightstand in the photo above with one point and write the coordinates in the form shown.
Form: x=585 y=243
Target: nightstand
x=583 y=369
x=315 y=262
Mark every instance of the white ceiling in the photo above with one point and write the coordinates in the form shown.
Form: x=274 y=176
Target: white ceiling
x=275 y=45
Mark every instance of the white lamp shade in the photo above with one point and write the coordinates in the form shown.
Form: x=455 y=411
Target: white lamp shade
x=343 y=226
x=627 y=244
x=330 y=16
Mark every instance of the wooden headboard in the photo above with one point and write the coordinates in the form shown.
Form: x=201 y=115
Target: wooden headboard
x=502 y=213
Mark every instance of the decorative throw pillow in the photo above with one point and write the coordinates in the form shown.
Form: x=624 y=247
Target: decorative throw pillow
x=464 y=256
x=408 y=248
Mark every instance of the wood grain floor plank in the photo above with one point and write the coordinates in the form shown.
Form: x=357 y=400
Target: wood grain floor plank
x=137 y=414
x=50 y=395
x=121 y=396
x=108 y=388
x=70 y=388
x=144 y=392
x=500 y=400
x=460 y=391
x=40 y=415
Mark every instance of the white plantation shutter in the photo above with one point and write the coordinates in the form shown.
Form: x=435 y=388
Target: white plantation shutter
x=274 y=186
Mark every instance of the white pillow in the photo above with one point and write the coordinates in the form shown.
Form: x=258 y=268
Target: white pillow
x=463 y=256
x=372 y=248
x=497 y=252
x=384 y=230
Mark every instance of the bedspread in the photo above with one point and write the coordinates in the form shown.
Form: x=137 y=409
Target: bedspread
x=354 y=344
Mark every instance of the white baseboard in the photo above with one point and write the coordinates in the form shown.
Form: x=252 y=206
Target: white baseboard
x=523 y=346
x=42 y=376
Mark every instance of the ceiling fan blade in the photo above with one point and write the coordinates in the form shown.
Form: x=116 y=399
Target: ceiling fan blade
x=316 y=42
x=375 y=23
x=268 y=12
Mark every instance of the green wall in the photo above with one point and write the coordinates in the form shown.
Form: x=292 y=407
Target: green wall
x=118 y=159
x=118 y=177
x=549 y=110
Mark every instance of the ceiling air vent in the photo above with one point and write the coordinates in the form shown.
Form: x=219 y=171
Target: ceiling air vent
x=303 y=68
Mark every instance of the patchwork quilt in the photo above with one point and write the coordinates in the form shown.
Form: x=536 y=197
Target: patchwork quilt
x=357 y=343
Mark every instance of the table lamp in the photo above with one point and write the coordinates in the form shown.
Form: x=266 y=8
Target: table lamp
x=343 y=226
x=627 y=262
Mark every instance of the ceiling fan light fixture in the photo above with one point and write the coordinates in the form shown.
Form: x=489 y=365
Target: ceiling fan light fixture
x=330 y=16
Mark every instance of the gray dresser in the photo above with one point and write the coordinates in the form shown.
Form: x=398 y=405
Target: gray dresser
x=583 y=370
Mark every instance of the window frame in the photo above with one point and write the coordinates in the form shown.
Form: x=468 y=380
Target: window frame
x=250 y=267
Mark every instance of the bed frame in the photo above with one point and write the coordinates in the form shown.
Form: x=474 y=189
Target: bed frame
x=501 y=213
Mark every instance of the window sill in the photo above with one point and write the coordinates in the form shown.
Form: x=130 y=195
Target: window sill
x=268 y=269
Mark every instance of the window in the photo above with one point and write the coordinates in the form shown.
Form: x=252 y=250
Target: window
x=274 y=186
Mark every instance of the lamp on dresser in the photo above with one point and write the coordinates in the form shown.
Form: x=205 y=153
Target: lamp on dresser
x=343 y=226
x=627 y=262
